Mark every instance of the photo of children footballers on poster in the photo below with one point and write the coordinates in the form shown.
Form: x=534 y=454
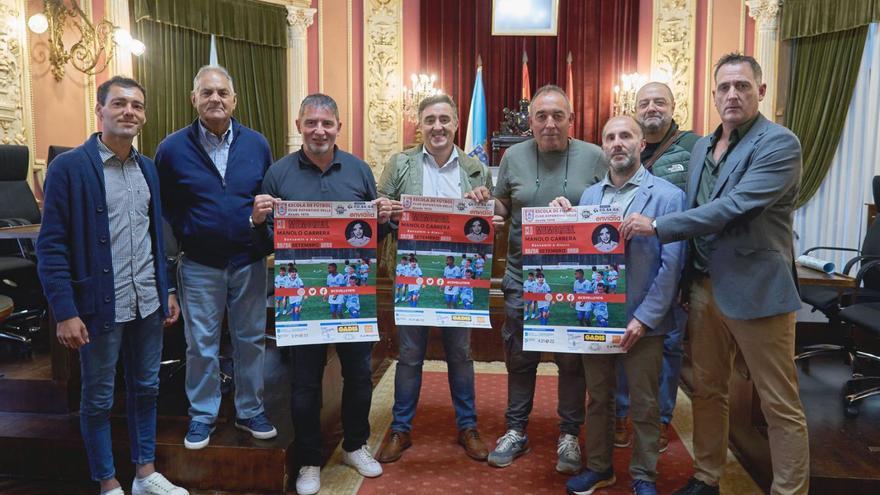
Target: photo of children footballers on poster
x=444 y=262
x=574 y=290
x=325 y=287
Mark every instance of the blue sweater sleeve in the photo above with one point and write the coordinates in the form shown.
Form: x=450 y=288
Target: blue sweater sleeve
x=53 y=251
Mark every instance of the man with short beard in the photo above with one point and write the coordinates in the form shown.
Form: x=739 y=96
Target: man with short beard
x=532 y=173
x=653 y=272
x=666 y=155
x=668 y=148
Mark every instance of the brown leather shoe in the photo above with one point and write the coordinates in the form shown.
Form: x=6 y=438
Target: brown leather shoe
x=621 y=432
x=664 y=437
x=395 y=443
x=474 y=447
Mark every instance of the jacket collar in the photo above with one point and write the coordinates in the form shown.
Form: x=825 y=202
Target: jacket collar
x=195 y=131
x=91 y=148
x=105 y=152
x=646 y=188
x=639 y=201
x=469 y=165
x=742 y=150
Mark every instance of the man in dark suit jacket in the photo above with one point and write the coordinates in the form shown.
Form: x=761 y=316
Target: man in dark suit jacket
x=743 y=185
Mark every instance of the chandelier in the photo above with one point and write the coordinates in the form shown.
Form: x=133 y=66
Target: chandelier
x=625 y=93
x=421 y=88
x=97 y=42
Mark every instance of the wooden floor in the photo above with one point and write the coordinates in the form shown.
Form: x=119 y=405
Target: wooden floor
x=27 y=440
x=844 y=452
x=35 y=367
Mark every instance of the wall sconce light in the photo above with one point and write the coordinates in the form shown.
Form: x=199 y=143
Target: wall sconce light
x=97 y=43
x=625 y=93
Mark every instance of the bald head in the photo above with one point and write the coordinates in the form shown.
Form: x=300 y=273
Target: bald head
x=622 y=143
x=623 y=121
x=655 y=87
x=654 y=108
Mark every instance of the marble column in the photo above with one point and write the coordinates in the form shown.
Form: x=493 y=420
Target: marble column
x=766 y=16
x=298 y=19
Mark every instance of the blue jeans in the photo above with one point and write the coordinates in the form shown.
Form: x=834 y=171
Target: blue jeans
x=408 y=379
x=307 y=374
x=139 y=342
x=669 y=375
x=205 y=294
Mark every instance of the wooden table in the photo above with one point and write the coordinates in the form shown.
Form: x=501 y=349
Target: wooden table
x=20 y=232
x=809 y=276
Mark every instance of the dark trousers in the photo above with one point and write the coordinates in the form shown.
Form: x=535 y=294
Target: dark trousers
x=307 y=373
x=522 y=369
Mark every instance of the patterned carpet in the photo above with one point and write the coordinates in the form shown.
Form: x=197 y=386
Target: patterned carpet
x=436 y=464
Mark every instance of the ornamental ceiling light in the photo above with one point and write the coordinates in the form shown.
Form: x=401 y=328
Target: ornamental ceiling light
x=96 y=45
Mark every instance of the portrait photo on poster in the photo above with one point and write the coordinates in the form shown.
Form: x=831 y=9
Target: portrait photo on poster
x=476 y=229
x=605 y=238
x=358 y=233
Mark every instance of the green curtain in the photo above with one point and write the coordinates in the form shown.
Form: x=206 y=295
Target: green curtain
x=802 y=18
x=824 y=73
x=259 y=76
x=166 y=69
x=243 y=20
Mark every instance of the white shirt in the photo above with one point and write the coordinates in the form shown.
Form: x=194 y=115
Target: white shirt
x=440 y=181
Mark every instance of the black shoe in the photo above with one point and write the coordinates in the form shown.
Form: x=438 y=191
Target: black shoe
x=697 y=487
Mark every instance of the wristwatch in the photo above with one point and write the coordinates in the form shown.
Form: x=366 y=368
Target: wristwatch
x=251 y=221
x=654 y=225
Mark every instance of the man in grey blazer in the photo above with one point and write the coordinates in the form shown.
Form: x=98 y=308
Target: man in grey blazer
x=652 y=274
x=743 y=293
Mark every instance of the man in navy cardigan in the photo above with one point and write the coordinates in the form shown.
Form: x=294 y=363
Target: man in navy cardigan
x=102 y=266
x=210 y=172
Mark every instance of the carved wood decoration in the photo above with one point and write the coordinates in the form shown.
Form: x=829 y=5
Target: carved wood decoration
x=16 y=120
x=383 y=71
x=673 y=53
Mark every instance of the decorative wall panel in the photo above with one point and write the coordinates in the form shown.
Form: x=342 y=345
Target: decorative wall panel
x=673 y=53
x=383 y=70
x=16 y=121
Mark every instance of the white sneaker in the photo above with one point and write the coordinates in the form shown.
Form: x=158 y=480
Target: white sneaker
x=308 y=481
x=362 y=460
x=114 y=491
x=155 y=484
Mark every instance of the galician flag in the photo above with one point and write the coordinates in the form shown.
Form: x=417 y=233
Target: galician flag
x=475 y=142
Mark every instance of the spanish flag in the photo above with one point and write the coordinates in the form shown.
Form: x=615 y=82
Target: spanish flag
x=569 y=83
